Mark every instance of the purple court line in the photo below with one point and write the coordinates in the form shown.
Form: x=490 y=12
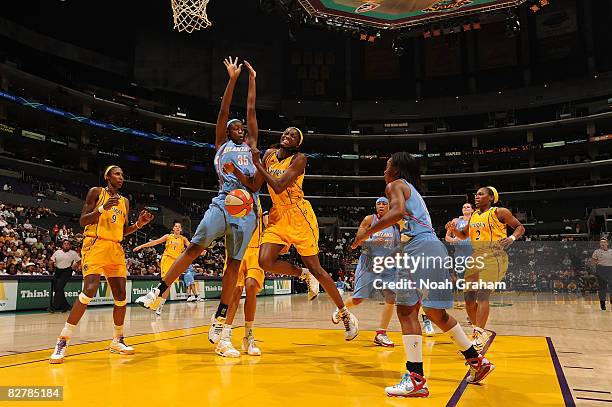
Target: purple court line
x=463 y=385
x=567 y=394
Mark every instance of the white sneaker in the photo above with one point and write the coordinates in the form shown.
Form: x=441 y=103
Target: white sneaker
x=60 y=350
x=411 y=385
x=249 y=347
x=428 y=327
x=118 y=346
x=191 y=298
x=150 y=301
x=381 y=339
x=216 y=327
x=351 y=326
x=200 y=299
x=226 y=349
x=336 y=317
x=312 y=283
x=158 y=311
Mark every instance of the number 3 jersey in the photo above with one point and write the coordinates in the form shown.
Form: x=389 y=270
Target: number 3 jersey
x=110 y=223
x=240 y=156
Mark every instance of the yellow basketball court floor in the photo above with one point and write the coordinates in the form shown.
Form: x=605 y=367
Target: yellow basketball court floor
x=305 y=361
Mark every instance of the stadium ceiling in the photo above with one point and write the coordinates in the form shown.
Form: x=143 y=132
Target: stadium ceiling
x=398 y=14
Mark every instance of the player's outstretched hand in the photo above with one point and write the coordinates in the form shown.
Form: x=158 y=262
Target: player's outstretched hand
x=137 y=249
x=145 y=217
x=233 y=69
x=113 y=201
x=452 y=225
x=252 y=73
x=359 y=239
x=229 y=168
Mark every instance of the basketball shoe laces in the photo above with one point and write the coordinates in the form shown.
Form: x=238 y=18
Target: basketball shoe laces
x=346 y=320
x=61 y=344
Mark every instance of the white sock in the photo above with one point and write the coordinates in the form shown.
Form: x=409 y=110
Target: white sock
x=67 y=330
x=413 y=346
x=305 y=274
x=248 y=328
x=459 y=337
x=226 y=332
x=117 y=331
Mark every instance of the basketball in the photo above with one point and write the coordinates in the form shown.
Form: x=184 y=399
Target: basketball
x=239 y=203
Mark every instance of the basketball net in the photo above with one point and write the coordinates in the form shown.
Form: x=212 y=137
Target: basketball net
x=190 y=15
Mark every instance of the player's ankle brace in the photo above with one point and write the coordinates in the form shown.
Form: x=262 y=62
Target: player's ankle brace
x=221 y=311
x=162 y=287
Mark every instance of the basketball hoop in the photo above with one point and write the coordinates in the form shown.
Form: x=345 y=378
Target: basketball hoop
x=190 y=15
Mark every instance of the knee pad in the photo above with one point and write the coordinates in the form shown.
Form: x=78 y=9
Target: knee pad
x=120 y=303
x=84 y=298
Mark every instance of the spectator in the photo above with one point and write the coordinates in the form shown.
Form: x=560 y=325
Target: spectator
x=65 y=261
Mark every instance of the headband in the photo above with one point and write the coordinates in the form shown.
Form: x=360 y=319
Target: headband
x=301 y=136
x=229 y=123
x=107 y=170
x=382 y=199
x=495 y=194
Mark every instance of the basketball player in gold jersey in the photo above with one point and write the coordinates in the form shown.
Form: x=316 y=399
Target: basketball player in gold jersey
x=292 y=220
x=251 y=278
x=105 y=218
x=486 y=229
x=175 y=244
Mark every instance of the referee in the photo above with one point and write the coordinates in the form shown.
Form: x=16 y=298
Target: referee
x=602 y=258
x=64 y=259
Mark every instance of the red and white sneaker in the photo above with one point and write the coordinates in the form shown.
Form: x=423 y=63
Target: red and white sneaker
x=411 y=385
x=480 y=368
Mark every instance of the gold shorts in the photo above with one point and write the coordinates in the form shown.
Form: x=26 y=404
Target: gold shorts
x=492 y=269
x=165 y=264
x=100 y=256
x=295 y=225
x=249 y=268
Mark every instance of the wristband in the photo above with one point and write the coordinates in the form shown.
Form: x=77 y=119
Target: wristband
x=513 y=238
x=101 y=208
x=137 y=225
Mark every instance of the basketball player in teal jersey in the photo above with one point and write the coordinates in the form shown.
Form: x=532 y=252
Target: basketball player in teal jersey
x=403 y=179
x=232 y=147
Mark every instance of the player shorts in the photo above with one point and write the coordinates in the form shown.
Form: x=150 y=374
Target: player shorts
x=488 y=266
x=189 y=277
x=368 y=284
x=100 y=256
x=249 y=268
x=165 y=263
x=217 y=222
x=294 y=224
x=429 y=281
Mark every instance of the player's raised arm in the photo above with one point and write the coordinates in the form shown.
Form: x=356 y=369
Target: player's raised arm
x=233 y=70
x=152 y=243
x=251 y=113
x=278 y=185
x=90 y=213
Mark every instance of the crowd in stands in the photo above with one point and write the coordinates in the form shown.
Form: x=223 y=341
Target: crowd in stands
x=550 y=263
